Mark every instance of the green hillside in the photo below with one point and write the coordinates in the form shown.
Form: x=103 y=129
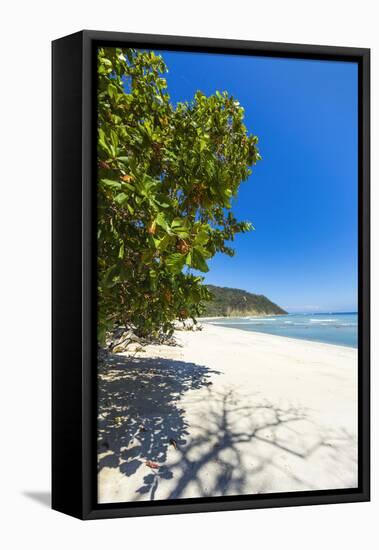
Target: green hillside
x=233 y=302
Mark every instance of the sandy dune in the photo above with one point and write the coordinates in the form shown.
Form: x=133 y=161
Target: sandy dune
x=227 y=412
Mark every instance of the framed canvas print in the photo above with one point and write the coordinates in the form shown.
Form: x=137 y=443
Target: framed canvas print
x=210 y=274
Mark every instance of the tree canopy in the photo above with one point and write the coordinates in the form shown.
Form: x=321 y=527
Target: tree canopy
x=167 y=175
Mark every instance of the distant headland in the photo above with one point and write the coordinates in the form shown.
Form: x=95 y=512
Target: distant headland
x=234 y=302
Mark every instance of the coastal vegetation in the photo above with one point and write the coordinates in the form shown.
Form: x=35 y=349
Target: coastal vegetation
x=167 y=175
x=227 y=302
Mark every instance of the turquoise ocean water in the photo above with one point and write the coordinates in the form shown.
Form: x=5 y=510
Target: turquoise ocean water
x=330 y=328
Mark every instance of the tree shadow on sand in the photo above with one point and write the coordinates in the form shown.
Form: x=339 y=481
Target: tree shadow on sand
x=237 y=445
x=242 y=449
x=139 y=415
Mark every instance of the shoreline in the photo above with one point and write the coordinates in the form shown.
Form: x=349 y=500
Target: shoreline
x=260 y=316
x=319 y=338
x=227 y=412
x=285 y=337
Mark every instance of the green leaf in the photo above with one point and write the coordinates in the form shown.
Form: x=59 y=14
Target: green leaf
x=162 y=243
x=202 y=145
x=121 y=198
x=198 y=262
x=161 y=221
x=175 y=262
x=111 y=183
x=202 y=237
x=179 y=227
x=153 y=279
x=162 y=204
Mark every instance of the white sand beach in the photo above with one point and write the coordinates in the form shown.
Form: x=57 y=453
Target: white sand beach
x=227 y=412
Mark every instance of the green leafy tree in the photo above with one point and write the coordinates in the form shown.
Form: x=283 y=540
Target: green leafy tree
x=166 y=178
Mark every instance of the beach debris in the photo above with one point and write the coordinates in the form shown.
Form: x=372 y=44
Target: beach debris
x=151 y=464
x=173 y=443
x=187 y=324
x=142 y=429
x=122 y=339
x=132 y=347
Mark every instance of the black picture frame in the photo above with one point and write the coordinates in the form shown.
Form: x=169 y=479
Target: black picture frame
x=73 y=273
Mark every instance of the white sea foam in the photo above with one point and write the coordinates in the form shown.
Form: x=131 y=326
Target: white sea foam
x=260 y=319
x=334 y=328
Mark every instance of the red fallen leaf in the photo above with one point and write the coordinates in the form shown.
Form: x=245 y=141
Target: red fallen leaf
x=151 y=464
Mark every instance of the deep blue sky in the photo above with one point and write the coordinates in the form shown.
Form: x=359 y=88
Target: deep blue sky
x=302 y=197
